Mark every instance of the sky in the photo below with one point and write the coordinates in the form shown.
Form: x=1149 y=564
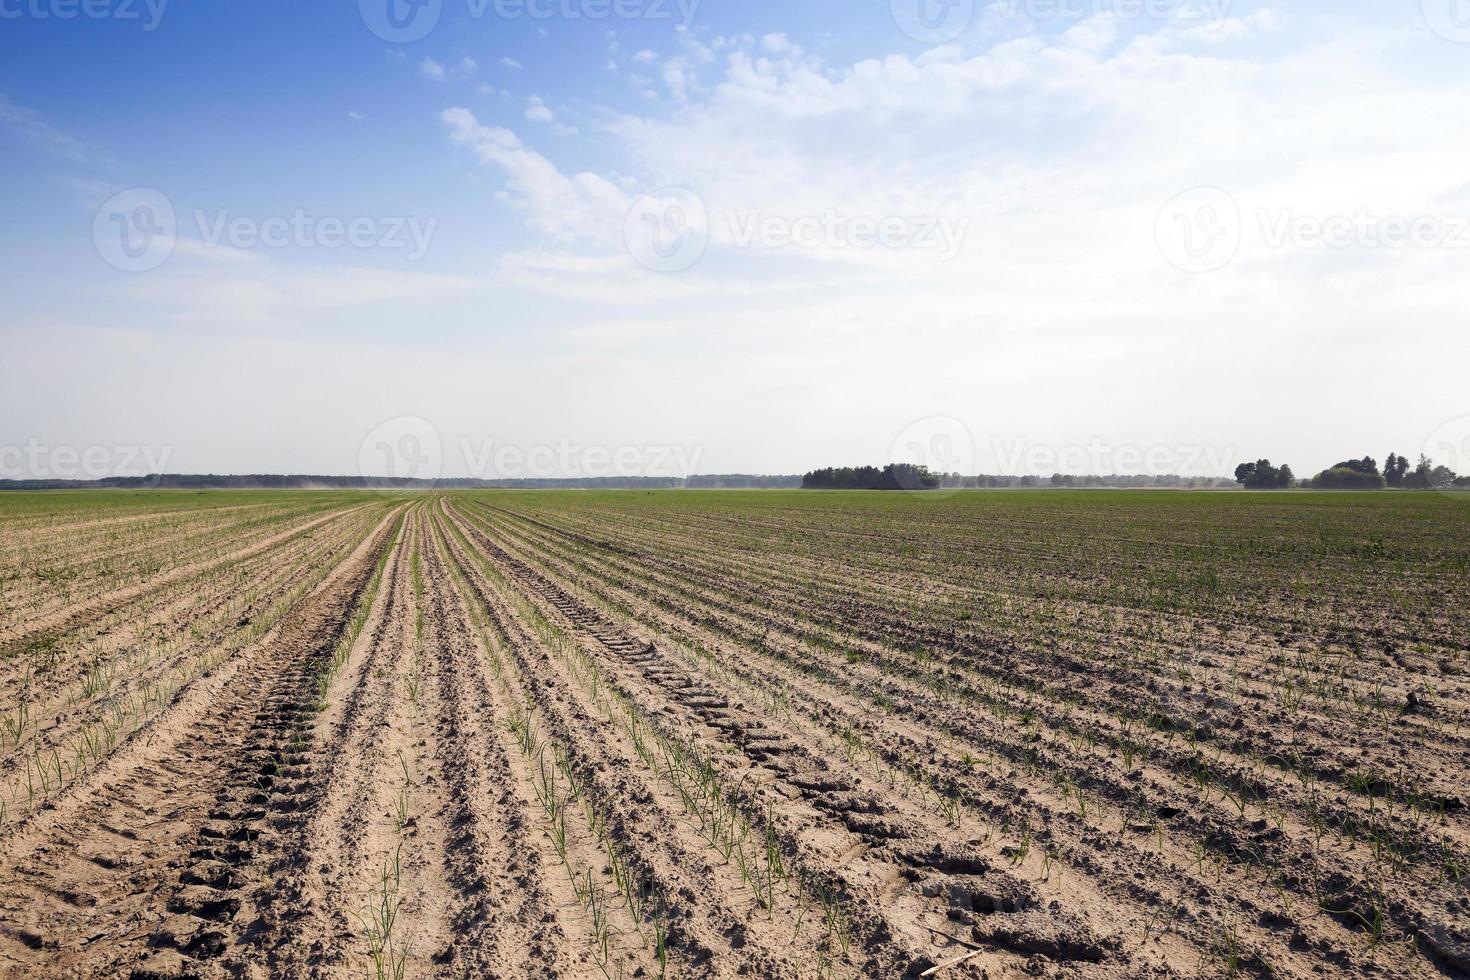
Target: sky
x=505 y=238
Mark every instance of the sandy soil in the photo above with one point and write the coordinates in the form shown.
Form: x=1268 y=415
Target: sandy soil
x=466 y=736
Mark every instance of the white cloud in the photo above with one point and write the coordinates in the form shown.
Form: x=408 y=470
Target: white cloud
x=1060 y=144
x=511 y=64
x=677 y=77
x=1095 y=34
x=581 y=208
x=435 y=70
x=780 y=44
x=1060 y=152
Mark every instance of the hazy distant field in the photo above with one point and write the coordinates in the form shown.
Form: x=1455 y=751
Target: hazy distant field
x=1091 y=734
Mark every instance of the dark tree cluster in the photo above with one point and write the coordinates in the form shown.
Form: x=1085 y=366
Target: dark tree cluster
x=894 y=476
x=1353 y=474
x=1261 y=475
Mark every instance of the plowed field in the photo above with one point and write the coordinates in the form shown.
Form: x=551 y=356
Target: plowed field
x=734 y=734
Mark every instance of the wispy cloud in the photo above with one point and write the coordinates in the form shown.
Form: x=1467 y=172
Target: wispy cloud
x=1059 y=152
x=583 y=207
x=216 y=288
x=34 y=130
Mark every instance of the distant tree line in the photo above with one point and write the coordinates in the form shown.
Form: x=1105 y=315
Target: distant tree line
x=1137 y=482
x=901 y=476
x=742 y=481
x=1355 y=474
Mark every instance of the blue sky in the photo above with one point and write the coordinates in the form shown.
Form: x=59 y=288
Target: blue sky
x=1040 y=167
